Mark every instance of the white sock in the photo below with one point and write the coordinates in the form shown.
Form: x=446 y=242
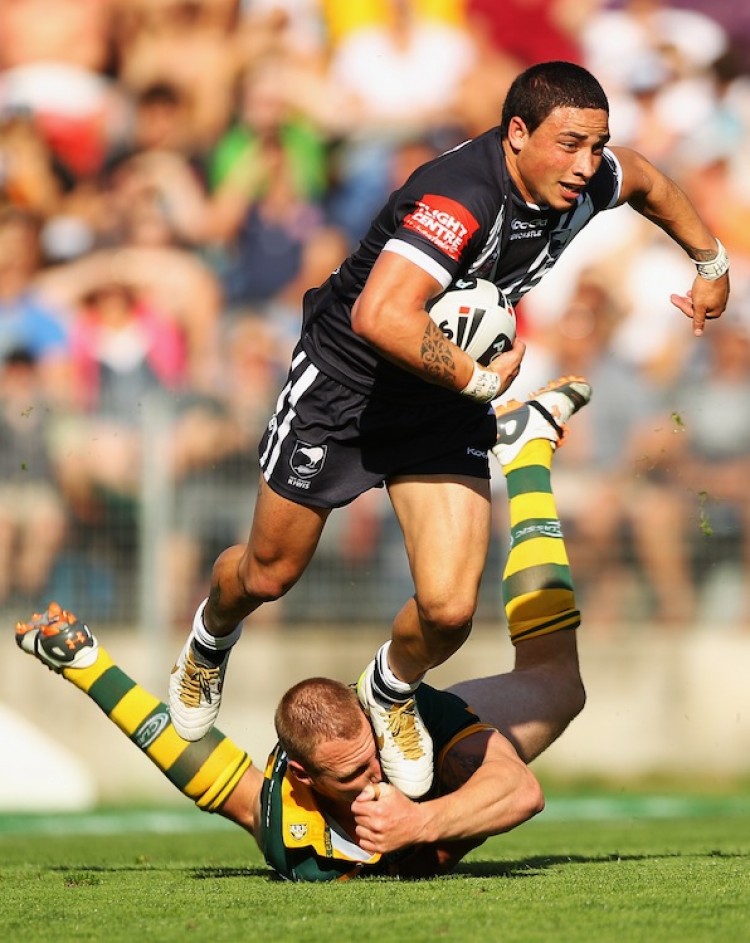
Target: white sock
x=401 y=687
x=214 y=643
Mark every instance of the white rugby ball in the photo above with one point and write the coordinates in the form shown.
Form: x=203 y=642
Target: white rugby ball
x=477 y=317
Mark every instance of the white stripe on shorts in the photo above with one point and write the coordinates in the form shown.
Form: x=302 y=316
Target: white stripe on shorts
x=291 y=394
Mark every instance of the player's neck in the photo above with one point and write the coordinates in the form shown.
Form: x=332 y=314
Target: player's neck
x=514 y=174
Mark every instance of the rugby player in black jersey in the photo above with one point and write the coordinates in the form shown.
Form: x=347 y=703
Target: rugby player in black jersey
x=377 y=396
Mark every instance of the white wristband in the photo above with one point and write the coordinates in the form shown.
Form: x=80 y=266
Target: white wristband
x=483 y=386
x=716 y=267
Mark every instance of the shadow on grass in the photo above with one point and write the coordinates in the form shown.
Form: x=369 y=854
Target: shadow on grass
x=532 y=867
x=198 y=874
x=523 y=868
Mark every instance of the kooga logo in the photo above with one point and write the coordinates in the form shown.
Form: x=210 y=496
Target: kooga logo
x=150 y=729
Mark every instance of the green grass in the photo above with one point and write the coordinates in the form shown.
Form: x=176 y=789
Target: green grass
x=589 y=871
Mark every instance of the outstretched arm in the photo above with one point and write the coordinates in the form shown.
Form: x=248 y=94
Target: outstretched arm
x=659 y=199
x=491 y=790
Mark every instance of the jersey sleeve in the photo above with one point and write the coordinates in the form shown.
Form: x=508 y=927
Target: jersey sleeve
x=606 y=185
x=442 y=215
x=434 y=234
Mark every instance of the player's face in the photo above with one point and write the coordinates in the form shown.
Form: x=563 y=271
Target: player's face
x=345 y=767
x=552 y=164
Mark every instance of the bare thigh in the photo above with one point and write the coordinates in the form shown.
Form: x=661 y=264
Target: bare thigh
x=446 y=527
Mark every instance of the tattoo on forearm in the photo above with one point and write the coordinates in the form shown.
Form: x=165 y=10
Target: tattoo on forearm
x=436 y=353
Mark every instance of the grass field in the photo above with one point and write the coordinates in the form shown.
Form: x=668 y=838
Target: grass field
x=591 y=869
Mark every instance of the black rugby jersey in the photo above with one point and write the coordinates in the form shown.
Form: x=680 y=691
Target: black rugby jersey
x=458 y=215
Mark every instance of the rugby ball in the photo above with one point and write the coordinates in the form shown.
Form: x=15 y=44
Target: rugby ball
x=477 y=317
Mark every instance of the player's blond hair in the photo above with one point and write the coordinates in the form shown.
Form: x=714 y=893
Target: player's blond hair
x=314 y=711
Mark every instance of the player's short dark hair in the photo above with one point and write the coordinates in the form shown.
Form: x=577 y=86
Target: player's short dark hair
x=541 y=88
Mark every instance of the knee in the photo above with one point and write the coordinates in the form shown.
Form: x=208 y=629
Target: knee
x=569 y=693
x=554 y=658
x=241 y=573
x=573 y=695
x=447 y=614
x=266 y=581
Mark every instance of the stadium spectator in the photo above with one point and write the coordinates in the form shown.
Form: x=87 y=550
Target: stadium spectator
x=702 y=456
x=77 y=32
x=33 y=519
x=395 y=73
x=125 y=353
x=55 y=59
x=617 y=39
x=530 y=31
x=30 y=178
x=712 y=160
x=192 y=45
x=28 y=320
x=259 y=214
x=268 y=179
x=323 y=810
x=142 y=251
x=159 y=122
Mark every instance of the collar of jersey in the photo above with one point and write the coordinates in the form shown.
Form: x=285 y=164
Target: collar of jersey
x=304 y=825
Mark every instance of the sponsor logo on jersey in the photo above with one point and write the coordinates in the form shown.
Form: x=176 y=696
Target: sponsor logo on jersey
x=150 y=729
x=527 y=228
x=445 y=223
x=475 y=453
x=307 y=460
x=539 y=223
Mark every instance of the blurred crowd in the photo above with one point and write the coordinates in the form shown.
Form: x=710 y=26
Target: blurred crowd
x=174 y=174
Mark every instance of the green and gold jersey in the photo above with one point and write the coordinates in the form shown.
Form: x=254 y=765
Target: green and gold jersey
x=301 y=844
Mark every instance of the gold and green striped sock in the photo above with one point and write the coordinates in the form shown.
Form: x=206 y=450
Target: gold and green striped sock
x=206 y=770
x=537 y=584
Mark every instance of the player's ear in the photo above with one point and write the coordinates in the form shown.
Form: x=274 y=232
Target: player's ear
x=518 y=133
x=299 y=772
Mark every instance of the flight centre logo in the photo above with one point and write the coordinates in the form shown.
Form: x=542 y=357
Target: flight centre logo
x=445 y=223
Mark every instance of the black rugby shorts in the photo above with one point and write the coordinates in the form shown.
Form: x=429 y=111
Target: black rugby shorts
x=326 y=444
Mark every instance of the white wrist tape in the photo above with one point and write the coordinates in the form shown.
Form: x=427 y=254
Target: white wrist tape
x=483 y=386
x=716 y=267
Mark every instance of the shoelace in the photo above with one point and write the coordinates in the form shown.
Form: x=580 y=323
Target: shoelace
x=403 y=729
x=196 y=683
